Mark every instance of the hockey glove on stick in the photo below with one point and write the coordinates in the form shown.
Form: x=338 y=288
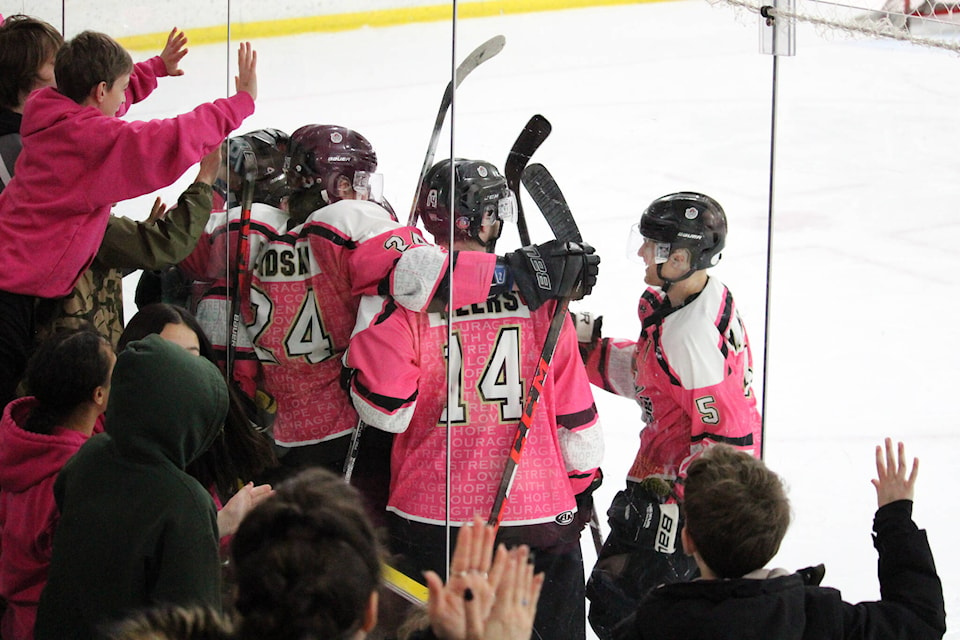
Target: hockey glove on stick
x=539 y=271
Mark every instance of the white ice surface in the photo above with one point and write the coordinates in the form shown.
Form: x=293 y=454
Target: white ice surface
x=650 y=99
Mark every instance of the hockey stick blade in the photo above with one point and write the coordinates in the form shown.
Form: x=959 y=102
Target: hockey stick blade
x=533 y=135
x=481 y=54
x=545 y=192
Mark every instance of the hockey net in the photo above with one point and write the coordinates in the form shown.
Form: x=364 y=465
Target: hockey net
x=931 y=23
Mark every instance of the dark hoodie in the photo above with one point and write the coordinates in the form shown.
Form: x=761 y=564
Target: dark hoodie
x=135 y=529
x=785 y=608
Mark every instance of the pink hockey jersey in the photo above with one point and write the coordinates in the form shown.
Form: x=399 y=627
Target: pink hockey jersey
x=690 y=372
x=301 y=307
x=400 y=386
x=74 y=165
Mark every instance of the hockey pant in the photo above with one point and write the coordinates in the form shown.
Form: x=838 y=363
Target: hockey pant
x=642 y=551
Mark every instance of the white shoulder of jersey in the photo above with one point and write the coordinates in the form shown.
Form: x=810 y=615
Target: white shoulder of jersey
x=260 y=213
x=690 y=341
x=359 y=220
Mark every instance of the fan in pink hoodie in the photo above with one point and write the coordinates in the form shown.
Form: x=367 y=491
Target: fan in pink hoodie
x=77 y=161
x=69 y=378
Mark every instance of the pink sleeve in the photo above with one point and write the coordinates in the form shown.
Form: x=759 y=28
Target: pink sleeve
x=578 y=425
x=146 y=156
x=610 y=366
x=143 y=81
x=384 y=357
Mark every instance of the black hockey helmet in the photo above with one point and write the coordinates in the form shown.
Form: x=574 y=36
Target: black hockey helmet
x=322 y=153
x=481 y=196
x=690 y=221
x=260 y=155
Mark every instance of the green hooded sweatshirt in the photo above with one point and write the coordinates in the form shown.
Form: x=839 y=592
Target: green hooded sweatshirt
x=135 y=529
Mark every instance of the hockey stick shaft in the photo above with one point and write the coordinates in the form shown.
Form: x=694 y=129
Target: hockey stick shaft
x=533 y=135
x=351 y=460
x=481 y=54
x=553 y=205
x=243 y=270
x=530 y=403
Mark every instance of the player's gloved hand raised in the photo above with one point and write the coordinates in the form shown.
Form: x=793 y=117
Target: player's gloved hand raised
x=553 y=270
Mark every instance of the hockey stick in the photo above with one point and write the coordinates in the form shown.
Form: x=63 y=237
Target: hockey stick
x=545 y=192
x=351 y=460
x=481 y=54
x=529 y=140
x=243 y=269
x=554 y=207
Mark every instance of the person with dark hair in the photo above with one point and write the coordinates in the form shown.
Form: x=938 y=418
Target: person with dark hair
x=736 y=516
x=690 y=371
x=27 y=50
x=308 y=566
x=240 y=453
x=69 y=382
x=337 y=241
x=307 y=562
x=399 y=385
x=136 y=530
x=28 y=47
x=78 y=160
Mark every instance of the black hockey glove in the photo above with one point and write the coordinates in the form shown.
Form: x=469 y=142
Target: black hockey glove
x=553 y=270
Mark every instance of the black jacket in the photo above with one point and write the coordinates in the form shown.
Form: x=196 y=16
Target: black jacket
x=785 y=608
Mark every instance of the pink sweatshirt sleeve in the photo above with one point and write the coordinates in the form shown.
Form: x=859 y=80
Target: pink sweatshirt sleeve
x=143 y=81
x=146 y=156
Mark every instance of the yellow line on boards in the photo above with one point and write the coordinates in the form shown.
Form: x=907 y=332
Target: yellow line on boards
x=347 y=21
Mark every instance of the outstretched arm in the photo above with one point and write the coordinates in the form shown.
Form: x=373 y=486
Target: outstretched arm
x=892 y=482
x=911 y=595
x=246 y=78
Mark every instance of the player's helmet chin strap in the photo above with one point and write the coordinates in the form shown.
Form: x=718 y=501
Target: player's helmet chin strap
x=668 y=282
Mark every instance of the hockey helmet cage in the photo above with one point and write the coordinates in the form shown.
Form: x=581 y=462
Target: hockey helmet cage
x=261 y=156
x=688 y=220
x=321 y=153
x=480 y=189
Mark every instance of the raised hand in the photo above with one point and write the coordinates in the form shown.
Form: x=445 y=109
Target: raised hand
x=237 y=507
x=515 y=605
x=473 y=580
x=210 y=166
x=157 y=211
x=246 y=80
x=892 y=483
x=174 y=51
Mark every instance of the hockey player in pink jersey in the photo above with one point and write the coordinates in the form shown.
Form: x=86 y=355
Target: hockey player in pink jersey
x=309 y=267
x=690 y=372
x=400 y=386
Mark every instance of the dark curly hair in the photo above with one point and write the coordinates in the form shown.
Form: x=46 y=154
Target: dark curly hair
x=306 y=561
x=63 y=373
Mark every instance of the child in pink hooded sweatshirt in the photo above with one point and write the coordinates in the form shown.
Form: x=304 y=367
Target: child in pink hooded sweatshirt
x=76 y=163
x=69 y=382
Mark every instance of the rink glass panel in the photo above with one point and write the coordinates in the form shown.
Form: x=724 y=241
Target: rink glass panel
x=645 y=100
